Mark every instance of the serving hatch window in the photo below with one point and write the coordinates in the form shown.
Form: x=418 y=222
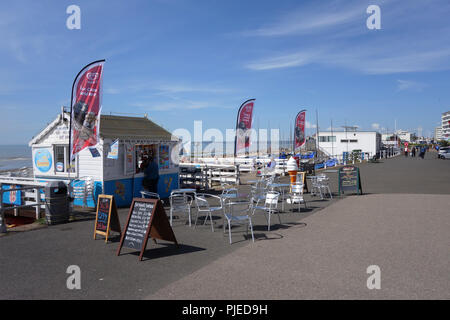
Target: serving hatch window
x=143 y=153
x=61 y=156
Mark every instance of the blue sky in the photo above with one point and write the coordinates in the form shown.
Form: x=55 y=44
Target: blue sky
x=180 y=61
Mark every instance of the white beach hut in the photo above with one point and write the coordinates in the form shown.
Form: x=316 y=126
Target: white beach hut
x=93 y=169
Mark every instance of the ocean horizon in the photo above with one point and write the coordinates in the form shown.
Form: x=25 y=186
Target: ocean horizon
x=15 y=156
x=18 y=156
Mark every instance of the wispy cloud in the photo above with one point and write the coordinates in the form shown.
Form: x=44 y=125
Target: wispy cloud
x=285 y=61
x=413 y=38
x=166 y=88
x=314 y=19
x=403 y=85
x=178 y=105
x=309 y=125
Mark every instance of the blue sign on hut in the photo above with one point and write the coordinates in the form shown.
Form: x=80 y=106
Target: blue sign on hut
x=112 y=167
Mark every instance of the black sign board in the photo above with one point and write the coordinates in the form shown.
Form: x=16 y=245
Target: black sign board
x=147 y=218
x=106 y=219
x=138 y=225
x=349 y=180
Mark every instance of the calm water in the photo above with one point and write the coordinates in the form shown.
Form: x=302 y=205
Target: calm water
x=19 y=156
x=15 y=157
x=227 y=148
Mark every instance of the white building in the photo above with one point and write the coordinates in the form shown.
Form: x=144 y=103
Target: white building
x=389 y=140
x=438 y=133
x=445 y=125
x=404 y=135
x=337 y=142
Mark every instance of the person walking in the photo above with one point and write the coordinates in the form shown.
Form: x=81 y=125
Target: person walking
x=422 y=152
x=151 y=176
x=406 y=151
x=413 y=152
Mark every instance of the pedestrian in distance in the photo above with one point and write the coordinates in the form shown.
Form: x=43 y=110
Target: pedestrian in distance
x=422 y=152
x=413 y=152
x=406 y=151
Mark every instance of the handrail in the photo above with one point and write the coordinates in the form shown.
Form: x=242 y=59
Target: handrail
x=3 y=228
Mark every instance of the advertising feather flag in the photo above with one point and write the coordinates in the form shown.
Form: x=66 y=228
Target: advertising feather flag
x=299 y=131
x=85 y=108
x=244 y=126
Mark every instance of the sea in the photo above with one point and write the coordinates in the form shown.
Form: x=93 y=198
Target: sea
x=226 y=148
x=13 y=157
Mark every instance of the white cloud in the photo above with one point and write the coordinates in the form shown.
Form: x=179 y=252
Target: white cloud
x=170 y=106
x=292 y=60
x=376 y=126
x=309 y=125
x=410 y=85
x=312 y=19
x=413 y=38
x=166 y=88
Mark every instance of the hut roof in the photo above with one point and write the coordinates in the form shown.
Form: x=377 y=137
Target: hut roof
x=113 y=127
x=132 y=128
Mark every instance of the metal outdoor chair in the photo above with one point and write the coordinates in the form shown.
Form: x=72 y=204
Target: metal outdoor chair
x=151 y=195
x=83 y=189
x=203 y=206
x=325 y=186
x=296 y=195
x=270 y=206
x=180 y=202
x=237 y=215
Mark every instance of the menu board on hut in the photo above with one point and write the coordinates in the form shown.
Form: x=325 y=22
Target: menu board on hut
x=164 y=157
x=146 y=218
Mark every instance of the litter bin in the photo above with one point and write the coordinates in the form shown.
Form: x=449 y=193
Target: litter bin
x=56 y=202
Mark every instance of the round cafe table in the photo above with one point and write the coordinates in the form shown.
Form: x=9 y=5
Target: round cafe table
x=184 y=191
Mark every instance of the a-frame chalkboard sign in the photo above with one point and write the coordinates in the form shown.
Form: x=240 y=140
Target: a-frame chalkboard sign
x=106 y=218
x=147 y=218
x=349 y=180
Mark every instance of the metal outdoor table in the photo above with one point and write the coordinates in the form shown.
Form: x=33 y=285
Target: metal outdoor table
x=184 y=191
x=280 y=186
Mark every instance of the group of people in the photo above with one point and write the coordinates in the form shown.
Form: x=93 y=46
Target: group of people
x=416 y=149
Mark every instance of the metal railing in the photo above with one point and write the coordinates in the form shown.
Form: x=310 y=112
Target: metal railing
x=3 y=208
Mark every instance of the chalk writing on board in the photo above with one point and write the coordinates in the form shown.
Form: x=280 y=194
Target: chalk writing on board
x=137 y=227
x=103 y=213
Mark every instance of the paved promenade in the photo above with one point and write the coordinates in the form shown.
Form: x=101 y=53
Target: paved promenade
x=401 y=224
x=327 y=257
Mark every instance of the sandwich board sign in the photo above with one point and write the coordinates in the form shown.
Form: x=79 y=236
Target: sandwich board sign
x=349 y=180
x=106 y=218
x=146 y=218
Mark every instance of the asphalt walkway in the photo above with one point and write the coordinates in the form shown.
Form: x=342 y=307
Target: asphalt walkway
x=400 y=224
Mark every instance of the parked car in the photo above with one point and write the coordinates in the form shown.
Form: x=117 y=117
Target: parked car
x=446 y=155
x=442 y=151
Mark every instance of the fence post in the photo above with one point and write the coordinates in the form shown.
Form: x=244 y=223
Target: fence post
x=2 y=212
x=38 y=203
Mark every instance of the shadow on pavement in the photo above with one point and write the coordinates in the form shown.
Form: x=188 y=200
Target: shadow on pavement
x=164 y=250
